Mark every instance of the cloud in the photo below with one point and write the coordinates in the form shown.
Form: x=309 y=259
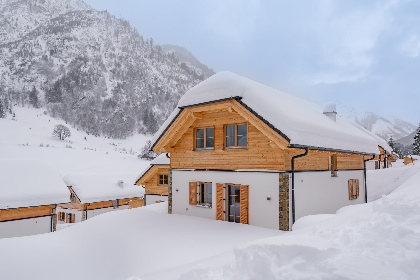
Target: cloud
x=233 y=21
x=348 y=38
x=411 y=46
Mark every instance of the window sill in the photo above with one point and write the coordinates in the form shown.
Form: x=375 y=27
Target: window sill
x=204 y=150
x=204 y=206
x=235 y=148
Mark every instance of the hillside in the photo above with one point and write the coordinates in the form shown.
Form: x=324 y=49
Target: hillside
x=88 y=67
x=383 y=126
x=28 y=136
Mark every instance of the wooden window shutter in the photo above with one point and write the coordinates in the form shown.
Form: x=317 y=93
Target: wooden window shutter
x=67 y=218
x=244 y=203
x=357 y=188
x=219 y=201
x=350 y=189
x=335 y=162
x=193 y=193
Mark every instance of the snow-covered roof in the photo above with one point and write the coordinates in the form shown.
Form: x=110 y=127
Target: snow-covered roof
x=161 y=159
x=26 y=183
x=300 y=120
x=96 y=187
x=381 y=142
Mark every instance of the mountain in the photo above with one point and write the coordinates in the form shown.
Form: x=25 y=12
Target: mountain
x=384 y=127
x=89 y=68
x=408 y=140
x=187 y=57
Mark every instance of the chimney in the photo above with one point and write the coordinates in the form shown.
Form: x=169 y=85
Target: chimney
x=330 y=110
x=121 y=184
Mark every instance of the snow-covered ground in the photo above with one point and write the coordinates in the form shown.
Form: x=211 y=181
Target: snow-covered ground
x=126 y=244
x=29 y=136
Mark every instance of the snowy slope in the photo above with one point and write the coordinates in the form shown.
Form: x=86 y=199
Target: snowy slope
x=29 y=136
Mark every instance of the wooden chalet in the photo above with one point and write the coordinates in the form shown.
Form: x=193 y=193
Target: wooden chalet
x=243 y=152
x=155 y=180
x=94 y=194
x=29 y=194
x=410 y=159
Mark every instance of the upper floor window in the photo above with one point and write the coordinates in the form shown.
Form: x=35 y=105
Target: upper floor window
x=163 y=180
x=204 y=138
x=236 y=136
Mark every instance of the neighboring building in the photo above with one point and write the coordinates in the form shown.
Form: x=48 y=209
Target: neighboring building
x=243 y=152
x=410 y=159
x=92 y=194
x=155 y=179
x=29 y=193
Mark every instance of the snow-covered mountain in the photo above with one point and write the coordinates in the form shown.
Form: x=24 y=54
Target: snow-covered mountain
x=187 y=57
x=384 y=127
x=88 y=67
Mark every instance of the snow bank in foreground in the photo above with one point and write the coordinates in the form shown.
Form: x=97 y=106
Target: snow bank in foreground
x=379 y=240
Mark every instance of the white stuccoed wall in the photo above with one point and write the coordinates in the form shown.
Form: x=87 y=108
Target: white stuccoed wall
x=319 y=193
x=370 y=165
x=262 y=212
x=152 y=198
x=25 y=227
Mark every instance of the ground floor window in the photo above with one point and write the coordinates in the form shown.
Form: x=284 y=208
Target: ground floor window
x=61 y=216
x=70 y=218
x=353 y=189
x=205 y=193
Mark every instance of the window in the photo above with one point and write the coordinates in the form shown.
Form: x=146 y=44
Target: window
x=163 y=180
x=115 y=203
x=61 y=216
x=204 y=138
x=205 y=194
x=70 y=218
x=236 y=136
x=72 y=197
x=353 y=189
x=333 y=165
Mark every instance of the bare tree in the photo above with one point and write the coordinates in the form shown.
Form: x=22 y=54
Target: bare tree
x=61 y=131
x=146 y=151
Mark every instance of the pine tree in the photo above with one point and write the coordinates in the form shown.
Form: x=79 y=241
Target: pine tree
x=416 y=148
x=33 y=97
x=391 y=143
x=2 y=110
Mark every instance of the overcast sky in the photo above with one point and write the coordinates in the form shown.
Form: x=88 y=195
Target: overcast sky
x=360 y=53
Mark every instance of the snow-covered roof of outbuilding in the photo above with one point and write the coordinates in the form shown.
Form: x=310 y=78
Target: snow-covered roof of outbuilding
x=96 y=187
x=299 y=120
x=25 y=183
x=161 y=159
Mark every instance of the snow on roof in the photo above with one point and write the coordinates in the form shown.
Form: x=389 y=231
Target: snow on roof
x=96 y=187
x=26 y=183
x=381 y=142
x=301 y=121
x=161 y=159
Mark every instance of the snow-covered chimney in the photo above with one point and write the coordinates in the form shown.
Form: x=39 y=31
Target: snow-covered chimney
x=330 y=110
x=121 y=184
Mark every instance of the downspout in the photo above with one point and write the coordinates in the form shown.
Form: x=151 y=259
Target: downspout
x=293 y=183
x=365 y=175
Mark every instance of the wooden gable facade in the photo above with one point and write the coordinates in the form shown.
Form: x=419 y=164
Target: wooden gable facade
x=155 y=180
x=266 y=148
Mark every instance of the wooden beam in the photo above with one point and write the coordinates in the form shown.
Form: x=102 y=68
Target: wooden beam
x=231 y=110
x=197 y=115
